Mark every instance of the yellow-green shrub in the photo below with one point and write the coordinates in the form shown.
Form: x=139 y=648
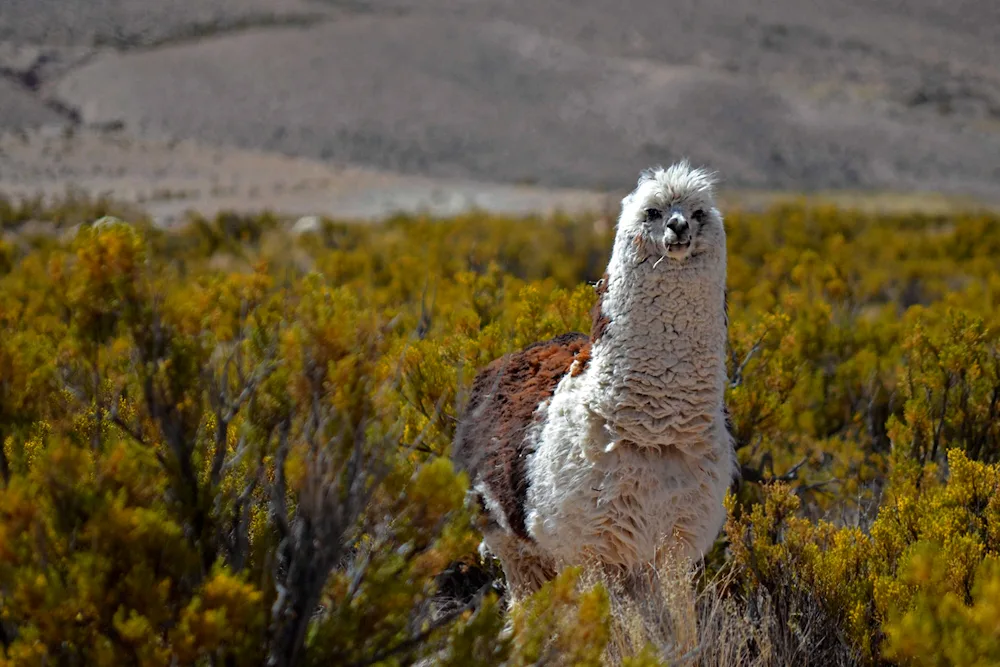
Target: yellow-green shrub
x=170 y=400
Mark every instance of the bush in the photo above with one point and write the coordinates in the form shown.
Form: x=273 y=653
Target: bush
x=226 y=444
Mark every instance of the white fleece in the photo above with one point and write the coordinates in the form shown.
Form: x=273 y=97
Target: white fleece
x=634 y=451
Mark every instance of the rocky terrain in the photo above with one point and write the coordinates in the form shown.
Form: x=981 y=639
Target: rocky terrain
x=361 y=108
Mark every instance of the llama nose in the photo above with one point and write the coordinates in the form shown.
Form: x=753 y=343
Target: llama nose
x=677 y=224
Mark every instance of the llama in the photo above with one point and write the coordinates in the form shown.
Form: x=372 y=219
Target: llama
x=613 y=449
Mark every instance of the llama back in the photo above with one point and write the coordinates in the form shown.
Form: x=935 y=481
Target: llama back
x=492 y=441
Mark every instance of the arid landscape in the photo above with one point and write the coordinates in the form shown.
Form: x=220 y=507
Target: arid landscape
x=511 y=418
x=358 y=109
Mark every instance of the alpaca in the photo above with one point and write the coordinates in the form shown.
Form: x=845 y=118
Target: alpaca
x=614 y=449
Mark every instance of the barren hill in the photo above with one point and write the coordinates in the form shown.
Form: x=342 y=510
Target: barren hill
x=775 y=94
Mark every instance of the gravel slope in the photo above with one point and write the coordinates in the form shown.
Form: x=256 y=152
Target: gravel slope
x=496 y=100
x=20 y=110
x=136 y=23
x=775 y=94
x=169 y=179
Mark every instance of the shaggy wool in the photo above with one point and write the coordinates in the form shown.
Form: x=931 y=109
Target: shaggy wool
x=614 y=449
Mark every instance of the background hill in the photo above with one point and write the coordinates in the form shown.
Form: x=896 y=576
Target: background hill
x=775 y=94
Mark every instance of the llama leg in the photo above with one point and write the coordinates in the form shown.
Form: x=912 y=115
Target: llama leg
x=524 y=568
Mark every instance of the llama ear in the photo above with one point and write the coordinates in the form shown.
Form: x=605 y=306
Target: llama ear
x=646 y=175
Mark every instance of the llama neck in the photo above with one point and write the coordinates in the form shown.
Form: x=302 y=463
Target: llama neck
x=659 y=350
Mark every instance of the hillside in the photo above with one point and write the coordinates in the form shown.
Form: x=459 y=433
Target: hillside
x=776 y=95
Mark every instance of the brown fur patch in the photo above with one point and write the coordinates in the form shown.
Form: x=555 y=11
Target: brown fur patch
x=581 y=360
x=490 y=439
x=599 y=321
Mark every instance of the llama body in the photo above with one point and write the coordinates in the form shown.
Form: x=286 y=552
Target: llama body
x=613 y=449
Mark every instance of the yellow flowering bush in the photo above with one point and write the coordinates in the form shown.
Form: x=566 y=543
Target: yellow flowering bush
x=227 y=443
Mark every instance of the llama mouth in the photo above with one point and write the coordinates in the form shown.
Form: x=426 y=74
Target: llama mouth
x=675 y=251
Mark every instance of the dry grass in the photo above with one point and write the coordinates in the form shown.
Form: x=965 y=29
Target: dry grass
x=666 y=613
x=684 y=619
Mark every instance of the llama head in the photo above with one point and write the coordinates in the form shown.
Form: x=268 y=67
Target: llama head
x=671 y=215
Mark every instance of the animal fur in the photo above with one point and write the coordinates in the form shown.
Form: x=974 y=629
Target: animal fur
x=613 y=449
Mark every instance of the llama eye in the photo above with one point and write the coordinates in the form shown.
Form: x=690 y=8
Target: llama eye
x=653 y=213
x=699 y=215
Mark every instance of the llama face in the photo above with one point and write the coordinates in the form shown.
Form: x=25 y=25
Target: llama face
x=671 y=214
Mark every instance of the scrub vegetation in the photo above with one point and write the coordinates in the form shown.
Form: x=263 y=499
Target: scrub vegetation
x=226 y=444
